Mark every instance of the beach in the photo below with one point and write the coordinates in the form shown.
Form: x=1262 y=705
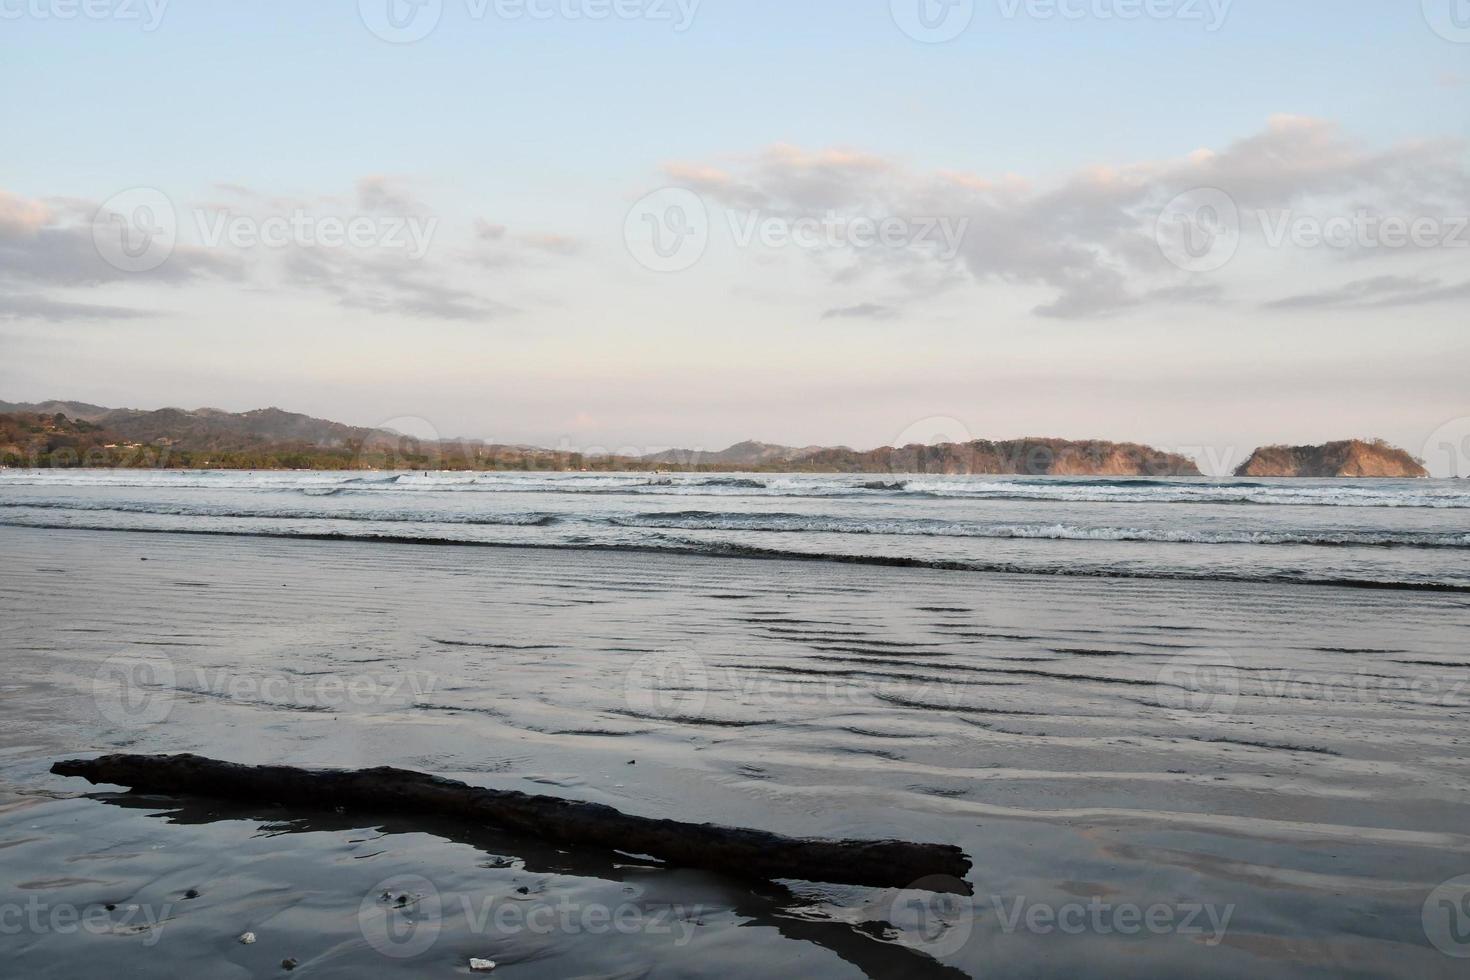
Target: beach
x=1153 y=774
x=658 y=490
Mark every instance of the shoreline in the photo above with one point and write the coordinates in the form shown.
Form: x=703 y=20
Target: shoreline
x=1076 y=738
x=758 y=554
x=732 y=469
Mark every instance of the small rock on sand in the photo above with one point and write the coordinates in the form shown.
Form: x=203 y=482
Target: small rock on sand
x=247 y=938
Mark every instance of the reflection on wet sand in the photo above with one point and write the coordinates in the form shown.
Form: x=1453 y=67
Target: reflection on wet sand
x=1289 y=756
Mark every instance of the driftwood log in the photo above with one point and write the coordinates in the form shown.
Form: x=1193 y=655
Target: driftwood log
x=746 y=853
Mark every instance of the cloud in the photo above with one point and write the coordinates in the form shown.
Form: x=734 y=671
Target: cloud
x=237 y=190
x=1378 y=292
x=20 y=218
x=861 y=311
x=1189 y=292
x=786 y=177
x=386 y=284
x=553 y=243
x=382 y=194
x=32 y=307
x=488 y=232
x=50 y=244
x=1088 y=237
x=397 y=275
x=496 y=247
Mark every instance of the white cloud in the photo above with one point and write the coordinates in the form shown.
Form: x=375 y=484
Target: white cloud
x=1088 y=238
x=860 y=311
x=49 y=244
x=31 y=307
x=1377 y=292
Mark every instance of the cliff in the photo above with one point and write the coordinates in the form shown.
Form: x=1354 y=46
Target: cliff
x=1349 y=458
x=1026 y=457
x=1022 y=457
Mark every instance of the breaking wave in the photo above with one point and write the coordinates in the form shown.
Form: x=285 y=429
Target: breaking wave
x=733 y=550
x=1309 y=531
x=698 y=520
x=1305 y=493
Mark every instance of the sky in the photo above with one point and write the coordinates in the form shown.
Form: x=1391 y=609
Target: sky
x=1205 y=225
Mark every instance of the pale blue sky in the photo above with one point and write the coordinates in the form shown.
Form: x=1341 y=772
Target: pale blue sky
x=553 y=129
x=282 y=92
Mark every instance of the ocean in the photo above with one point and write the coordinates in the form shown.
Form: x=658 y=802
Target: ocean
x=1182 y=727
x=1387 y=533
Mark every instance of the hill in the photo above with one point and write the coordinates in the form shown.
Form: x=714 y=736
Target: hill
x=1025 y=457
x=75 y=410
x=206 y=428
x=34 y=435
x=267 y=438
x=270 y=438
x=749 y=453
x=210 y=428
x=1348 y=458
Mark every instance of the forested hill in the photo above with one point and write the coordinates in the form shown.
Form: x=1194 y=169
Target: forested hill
x=1348 y=458
x=59 y=433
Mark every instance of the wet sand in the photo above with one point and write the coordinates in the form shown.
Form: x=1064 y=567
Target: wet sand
x=1274 y=774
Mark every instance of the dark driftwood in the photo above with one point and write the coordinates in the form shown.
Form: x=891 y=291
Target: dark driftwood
x=749 y=853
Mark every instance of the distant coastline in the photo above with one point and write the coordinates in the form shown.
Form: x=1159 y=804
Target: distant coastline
x=58 y=434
